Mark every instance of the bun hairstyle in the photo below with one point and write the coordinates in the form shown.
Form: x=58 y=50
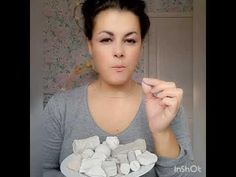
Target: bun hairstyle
x=90 y=8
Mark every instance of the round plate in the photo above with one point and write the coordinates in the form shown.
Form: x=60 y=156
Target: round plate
x=70 y=173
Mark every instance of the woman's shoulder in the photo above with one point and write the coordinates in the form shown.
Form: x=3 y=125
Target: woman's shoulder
x=63 y=97
x=74 y=92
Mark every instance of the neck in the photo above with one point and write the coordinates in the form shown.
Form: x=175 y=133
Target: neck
x=115 y=91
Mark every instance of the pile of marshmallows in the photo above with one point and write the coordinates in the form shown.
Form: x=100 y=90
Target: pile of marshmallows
x=109 y=158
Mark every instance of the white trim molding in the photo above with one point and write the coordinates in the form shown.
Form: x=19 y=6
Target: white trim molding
x=170 y=14
x=199 y=83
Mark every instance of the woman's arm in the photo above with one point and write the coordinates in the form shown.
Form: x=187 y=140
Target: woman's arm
x=166 y=144
x=52 y=139
x=179 y=166
x=169 y=128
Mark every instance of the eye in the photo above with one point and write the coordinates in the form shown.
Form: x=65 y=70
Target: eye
x=106 y=40
x=130 y=41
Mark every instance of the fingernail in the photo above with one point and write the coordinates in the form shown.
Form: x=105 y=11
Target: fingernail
x=156 y=94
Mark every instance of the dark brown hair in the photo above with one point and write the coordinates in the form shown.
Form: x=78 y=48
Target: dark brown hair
x=90 y=8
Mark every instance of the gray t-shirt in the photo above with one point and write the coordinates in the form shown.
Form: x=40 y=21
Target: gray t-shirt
x=67 y=117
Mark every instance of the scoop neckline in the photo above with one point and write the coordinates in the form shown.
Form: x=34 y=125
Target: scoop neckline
x=98 y=127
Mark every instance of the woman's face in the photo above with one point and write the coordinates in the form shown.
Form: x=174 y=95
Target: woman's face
x=116 y=45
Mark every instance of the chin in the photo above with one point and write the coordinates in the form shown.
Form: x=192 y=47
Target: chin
x=119 y=81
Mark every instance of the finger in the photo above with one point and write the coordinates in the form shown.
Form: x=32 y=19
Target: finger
x=170 y=92
x=151 y=81
x=170 y=101
x=147 y=90
x=162 y=86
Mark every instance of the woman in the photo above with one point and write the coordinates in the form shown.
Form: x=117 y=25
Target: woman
x=114 y=104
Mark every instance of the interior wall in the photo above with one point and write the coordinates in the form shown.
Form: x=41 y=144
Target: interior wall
x=36 y=98
x=199 y=85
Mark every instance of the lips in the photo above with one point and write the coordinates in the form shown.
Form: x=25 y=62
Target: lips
x=119 y=68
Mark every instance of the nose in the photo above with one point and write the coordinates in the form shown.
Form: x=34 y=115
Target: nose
x=118 y=55
x=118 y=51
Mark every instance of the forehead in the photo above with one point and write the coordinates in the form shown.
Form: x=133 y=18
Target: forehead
x=117 y=21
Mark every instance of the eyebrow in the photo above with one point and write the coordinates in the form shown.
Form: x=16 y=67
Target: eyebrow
x=112 y=34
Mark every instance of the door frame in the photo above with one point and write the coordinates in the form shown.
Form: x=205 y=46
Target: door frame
x=199 y=83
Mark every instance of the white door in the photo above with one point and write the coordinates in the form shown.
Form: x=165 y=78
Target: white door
x=169 y=55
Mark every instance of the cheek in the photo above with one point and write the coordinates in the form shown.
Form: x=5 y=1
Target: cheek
x=99 y=52
x=101 y=57
x=134 y=55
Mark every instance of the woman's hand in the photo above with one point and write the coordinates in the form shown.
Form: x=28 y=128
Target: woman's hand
x=162 y=103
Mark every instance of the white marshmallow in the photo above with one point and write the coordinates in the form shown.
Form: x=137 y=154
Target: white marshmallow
x=147 y=158
x=96 y=171
x=89 y=143
x=75 y=163
x=89 y=163
x=103 y=148
x=98 y=155
x=124 y=168
x=87 y=153
x=124 y=164
x=134 y=164
x=137 y=152
x=110 y=168
x=138 y=144
x=112 y=142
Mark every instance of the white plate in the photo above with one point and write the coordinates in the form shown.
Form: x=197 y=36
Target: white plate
x=70 y=173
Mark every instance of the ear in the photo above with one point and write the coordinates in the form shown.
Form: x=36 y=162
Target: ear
x=142 y=49
x=89 y=43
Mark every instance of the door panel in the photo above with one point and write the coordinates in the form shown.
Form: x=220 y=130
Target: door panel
x=169 y=55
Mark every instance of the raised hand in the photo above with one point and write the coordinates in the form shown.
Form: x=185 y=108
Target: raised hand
x=162 y=102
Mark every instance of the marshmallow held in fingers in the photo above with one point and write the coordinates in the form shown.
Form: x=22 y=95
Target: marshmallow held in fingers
x=89 y=143
x=75 y=163
x=149 y=87
x=146 y=87
x=134 y=164
x=147 y=158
